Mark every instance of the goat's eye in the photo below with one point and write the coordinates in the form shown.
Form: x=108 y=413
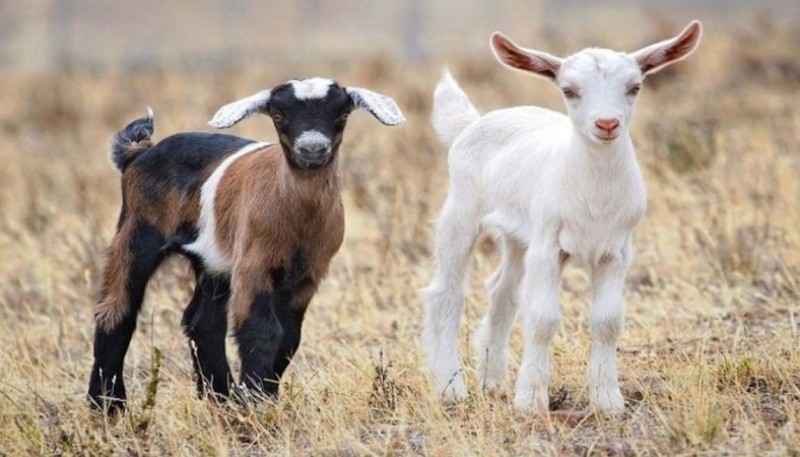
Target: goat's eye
x=277 y=117
x=633 y=90
x=343 y=117
x=570 y=93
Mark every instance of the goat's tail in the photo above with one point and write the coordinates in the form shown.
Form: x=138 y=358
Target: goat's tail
x=452 y=110
x=131 y=141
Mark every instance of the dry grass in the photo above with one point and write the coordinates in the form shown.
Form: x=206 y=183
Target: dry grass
x=709 y=358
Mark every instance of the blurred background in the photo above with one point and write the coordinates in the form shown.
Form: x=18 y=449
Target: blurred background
x=51 y=35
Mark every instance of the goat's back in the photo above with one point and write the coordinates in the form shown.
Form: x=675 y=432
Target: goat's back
x=162 y=186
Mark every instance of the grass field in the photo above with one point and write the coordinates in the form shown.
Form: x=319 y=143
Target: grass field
x=709 y=357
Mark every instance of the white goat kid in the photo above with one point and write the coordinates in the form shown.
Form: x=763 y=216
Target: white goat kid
x=553 y=187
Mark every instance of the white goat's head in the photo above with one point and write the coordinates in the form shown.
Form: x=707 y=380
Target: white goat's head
x=599 y=85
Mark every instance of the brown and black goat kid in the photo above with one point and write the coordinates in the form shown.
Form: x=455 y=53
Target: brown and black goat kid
x=259 y=222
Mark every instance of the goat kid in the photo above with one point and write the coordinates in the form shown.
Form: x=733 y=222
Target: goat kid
x=553 y=187
x=259 y=222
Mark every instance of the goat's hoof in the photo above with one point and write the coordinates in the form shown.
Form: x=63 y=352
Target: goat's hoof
x=493 y=380
x=108 y=405
x=491 y=388
x=537 y=401
x=249 y=396
x=609 y=400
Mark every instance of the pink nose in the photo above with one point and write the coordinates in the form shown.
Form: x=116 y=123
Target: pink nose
x=607 y=124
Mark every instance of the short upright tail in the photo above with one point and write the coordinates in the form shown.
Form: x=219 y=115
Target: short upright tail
x=131 y=141
x=452 y=110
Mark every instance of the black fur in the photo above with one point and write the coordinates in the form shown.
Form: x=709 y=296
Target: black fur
x=178 y=161
x=292 y=323
x=205 y=323
x=271 y=335
x=290 y=312
x=137 y=131
x=259 y=339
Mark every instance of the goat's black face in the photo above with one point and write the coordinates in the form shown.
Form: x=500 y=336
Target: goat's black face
x=310 y=116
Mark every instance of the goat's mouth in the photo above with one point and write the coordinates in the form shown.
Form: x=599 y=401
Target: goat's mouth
x=605 y=138
x=311 y=163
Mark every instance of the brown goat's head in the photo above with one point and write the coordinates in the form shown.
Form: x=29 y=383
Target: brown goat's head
x=310 y=115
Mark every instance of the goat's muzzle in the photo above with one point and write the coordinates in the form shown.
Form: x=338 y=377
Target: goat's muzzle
x=606 y=129
x=311 y=158
x=312 y=150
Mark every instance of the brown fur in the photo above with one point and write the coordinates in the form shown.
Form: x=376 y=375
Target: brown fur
x=137 y=147
x=266 y=213
x=167 y=212
x=113 y=305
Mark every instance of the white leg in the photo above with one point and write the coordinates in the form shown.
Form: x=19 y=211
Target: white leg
x=608 y=282
x=444 y=298
x=542 y=317
x=491 y=339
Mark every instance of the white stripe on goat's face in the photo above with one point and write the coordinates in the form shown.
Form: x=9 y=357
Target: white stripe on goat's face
x=311 y=88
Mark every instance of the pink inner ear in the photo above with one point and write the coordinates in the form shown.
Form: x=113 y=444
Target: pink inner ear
x=509 y=54
x=513 y=56
x=672 y=52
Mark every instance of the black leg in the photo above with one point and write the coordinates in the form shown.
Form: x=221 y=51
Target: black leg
x=205 y=323
x=292 y=320
x=259 y=338
x=106 y=386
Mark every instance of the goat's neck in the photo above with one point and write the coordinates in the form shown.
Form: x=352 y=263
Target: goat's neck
x=313 y=190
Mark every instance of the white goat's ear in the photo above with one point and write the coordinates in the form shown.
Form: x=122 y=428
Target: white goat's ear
x=234 y=112
x=659 y=55
x=382 y=107
x=511 y=55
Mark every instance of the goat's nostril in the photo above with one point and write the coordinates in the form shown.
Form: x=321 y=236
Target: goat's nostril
x=313 y=151
x=607 y=124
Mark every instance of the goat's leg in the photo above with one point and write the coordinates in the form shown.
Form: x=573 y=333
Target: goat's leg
x=444 y=297
x=542 y=317
x=132 y=258
x=205 y=323
x=608 y=282
x=491 y=340
x=259 y=336
x=292 y=323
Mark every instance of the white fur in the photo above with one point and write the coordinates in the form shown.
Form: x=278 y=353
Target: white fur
x=311 y=88
x=206 y=245
x=234 y=112
x=549 y=185
x=382 y=107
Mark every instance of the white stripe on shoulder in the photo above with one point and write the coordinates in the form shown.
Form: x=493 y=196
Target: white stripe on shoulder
x=206 y=245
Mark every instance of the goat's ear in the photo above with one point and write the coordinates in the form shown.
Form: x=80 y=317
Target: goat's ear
x=382 y=107
x=234 y=112
x=659 y=55
x=511 y=55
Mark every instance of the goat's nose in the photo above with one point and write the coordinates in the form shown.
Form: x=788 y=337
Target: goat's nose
x=607 y=124
x=314 y=150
